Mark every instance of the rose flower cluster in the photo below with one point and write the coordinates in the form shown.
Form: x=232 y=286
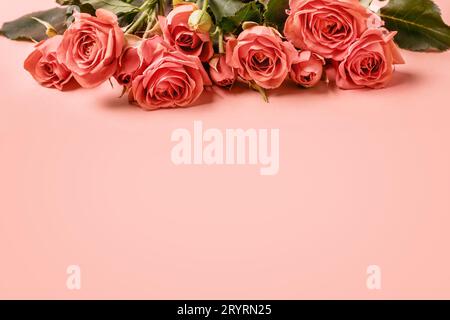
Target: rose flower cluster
x=157 y=72
x=171 y=66
x=348 y=35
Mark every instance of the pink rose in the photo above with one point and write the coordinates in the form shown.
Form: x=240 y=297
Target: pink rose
x=308 y=69
x=129 y=63
x=369 y=61
x=176 y=31
x=136 y=57
x=220 y=72
x=91 y=47
x=172 y=80
x=260 y=55
x=327 y=27
x=44 y=66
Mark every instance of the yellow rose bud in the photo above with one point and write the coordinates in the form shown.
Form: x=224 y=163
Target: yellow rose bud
x=200 y=21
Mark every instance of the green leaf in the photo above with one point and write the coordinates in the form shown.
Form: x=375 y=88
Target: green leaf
x=225 y=8
x=125 y=10
x=229 y=14
x=275 y=14
x=419 y=24
x=118 y=7
x=27 y=28
x=249 y=12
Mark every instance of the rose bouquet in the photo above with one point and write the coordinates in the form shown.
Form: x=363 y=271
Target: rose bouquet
x=164 y=53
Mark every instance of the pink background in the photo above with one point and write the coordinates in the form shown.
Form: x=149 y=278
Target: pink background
x=364 y=179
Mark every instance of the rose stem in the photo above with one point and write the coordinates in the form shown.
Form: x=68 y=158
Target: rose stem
x=205 y=5
x=144 y=9
x=161 y=7
x=135 y=26
x=221 y=48
x=261 y=91
x=150 y=23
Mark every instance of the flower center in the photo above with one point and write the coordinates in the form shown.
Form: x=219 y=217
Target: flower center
x=185 y=40
x=370 y=65
x=48 y=68
x=260 y=61
x=310 y=77
x=86 y=46
x=168 y=91
x=330 y=27
x=87 y=49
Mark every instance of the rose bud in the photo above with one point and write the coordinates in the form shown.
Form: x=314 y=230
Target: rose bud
x=200 y=21
x=129 y=63
x=136 y=57
x=176 y=31
x=308 y=69
x=220 y=72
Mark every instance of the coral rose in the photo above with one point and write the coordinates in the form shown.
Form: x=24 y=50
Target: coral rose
x=172 y=80
x=44 y=66
x=260 y=55
x=308 y=69
x=178 y=33
x=91 y=47
x=327 y=27
x=220 y=72
x=369 y=61
x=136 y=57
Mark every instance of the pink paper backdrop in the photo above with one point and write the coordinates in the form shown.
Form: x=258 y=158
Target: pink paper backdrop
x=87 y=180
